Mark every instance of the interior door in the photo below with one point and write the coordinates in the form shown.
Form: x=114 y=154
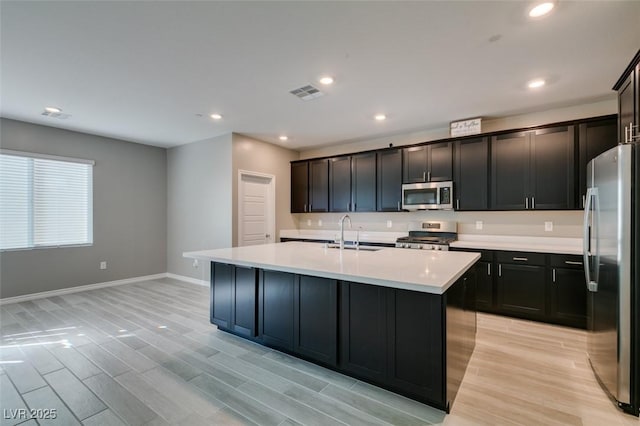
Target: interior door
x=256 y=210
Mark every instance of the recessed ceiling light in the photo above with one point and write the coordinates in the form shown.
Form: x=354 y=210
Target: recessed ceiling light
x=326 y=80
x=380 y=117
x=535 y=84
x=52 y=109
x=216 y=116
x=283 y=138
x=541 y=9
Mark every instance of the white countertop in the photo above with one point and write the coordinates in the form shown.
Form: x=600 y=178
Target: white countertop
x=349 y=235
x=520 y=243
x=424 y=271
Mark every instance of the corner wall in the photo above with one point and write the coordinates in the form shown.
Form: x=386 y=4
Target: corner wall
x=199 y=188
x=258 y=156
x=129 y=213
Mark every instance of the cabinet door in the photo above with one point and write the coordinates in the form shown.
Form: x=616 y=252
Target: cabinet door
x=316 y=315
x=276 y=309
x=340 y=184
x=552 y=181
x=319 y=186
x=299 y=187
x=415 y=164
x=389 y=180
x=626 y=107
x=471 y=190
x=363 y=182
x=509 y=171
x=244 y=302
x=363 y=330
x=594 y=138
x=416 y=363
x=440 y=162
x=221 y=294
x=484 y=286
x=521 y=290
x=568 y=297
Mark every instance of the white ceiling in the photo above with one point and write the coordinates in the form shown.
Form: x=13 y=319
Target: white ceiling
x=141 y=71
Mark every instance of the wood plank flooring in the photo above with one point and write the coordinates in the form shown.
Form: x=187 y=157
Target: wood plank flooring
x=145 y=354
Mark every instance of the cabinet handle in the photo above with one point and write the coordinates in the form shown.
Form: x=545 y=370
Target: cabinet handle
x=554 y=275
x=458 y=204
x=533 y=202
x=526 y=203
x=488 y=269
x=305 y=207
x=572 y=262
x=310 y=207
x=424 y=176
x=429 y=173
x=398 y=205
x=626 y=139
x=521 y=259
x=499 y=269
x=583 y=197
x=348 y=207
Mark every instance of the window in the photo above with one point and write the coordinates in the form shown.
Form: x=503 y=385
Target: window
x=45 y=201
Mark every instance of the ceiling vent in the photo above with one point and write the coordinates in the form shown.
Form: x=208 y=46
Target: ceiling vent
x=58 y=115
x=306 y=93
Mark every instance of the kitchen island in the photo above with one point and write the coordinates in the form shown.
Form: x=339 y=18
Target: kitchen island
x=400 y=319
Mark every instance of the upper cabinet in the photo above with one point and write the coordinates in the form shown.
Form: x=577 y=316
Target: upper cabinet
x=352 y=183
x=533 y=170
x=428 y=163
x=629 y=102
x=300 y=187
x=471 y=181
x=318 y=186
x=389 y=172
x=594 y=138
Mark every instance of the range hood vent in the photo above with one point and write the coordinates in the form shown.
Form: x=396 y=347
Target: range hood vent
x=58 y=115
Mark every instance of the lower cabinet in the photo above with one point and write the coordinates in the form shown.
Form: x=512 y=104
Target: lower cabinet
x=536 y=286
x=521 y=284
x=413 y=343
x=568 y=291
x=233 y=298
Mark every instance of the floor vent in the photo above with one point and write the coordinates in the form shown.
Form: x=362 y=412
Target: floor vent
x=306 y=93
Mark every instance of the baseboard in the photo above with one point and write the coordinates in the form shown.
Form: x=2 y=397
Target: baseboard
x=188 y=279
x=62 y=291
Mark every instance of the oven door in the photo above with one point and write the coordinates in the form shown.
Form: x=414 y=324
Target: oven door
x=421 y=196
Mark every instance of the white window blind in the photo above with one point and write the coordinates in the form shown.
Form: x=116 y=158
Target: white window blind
x=45 y=201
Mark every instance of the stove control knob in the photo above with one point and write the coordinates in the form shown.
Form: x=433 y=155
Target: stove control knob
x=438 y=248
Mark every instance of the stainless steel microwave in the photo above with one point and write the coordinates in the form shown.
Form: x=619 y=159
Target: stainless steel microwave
x=427 y=196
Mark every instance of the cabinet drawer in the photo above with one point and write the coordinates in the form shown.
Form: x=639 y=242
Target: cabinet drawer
x=485 y=255
x=567 y=261
x=520 y=257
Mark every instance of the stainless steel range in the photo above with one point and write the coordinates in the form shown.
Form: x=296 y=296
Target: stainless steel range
x=429 y=236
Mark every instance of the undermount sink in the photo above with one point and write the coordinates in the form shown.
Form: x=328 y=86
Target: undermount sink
x=353 y=247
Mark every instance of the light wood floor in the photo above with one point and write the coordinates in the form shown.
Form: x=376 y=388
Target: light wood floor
x=145 y=354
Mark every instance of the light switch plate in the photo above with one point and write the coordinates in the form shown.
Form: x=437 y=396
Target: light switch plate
x=548 y=226
x=103 y=265
x=389 y=224
x=479 y=225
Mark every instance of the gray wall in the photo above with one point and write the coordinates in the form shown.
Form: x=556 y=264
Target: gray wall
x=129 y=213
x=258 y=156
x=199 y=198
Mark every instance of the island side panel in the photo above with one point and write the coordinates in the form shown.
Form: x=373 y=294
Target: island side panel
x=460 y=325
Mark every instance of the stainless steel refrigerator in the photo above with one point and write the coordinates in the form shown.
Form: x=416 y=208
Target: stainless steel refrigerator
x=612 y=271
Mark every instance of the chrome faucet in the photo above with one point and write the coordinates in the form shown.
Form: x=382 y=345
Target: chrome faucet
x=346 y=216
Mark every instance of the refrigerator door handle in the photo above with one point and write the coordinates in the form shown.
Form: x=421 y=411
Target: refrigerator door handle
x=591 y=285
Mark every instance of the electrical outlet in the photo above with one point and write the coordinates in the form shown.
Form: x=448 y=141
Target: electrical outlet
x=195 y=263
x=308 y=222
x=389 y=224
x=103 y=265
x=319 y=222
x=479 y=225
x=548 y=226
